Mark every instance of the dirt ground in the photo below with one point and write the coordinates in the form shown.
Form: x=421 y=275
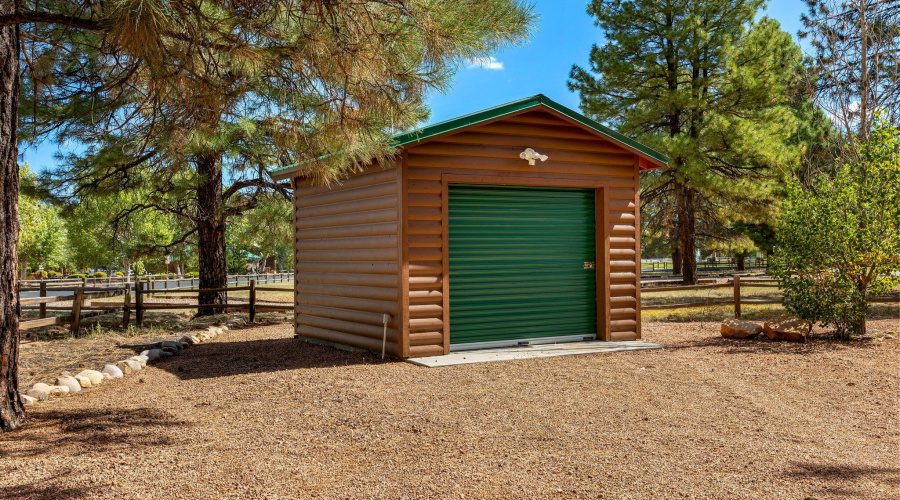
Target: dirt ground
x=257 y=414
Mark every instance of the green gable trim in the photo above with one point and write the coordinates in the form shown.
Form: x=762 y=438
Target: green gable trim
x=464 y=121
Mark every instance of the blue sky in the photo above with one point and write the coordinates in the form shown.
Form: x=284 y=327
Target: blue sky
x=564 y=37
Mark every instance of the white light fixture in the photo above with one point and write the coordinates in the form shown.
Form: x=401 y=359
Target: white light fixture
x=532 y=155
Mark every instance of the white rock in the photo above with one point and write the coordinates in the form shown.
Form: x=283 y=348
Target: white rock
x=107 y=376
x=59 y=390
x=113 y=371
x=84 y=381
x=134 y=365
x=189 y=340
x=39 y=395
x=125 y=367
x=145 y=353
x=224 y=328
x=214 y=331
x=41 y=387
x=204 y=337
x=95 y=377
x=141 y=360
x=27 y=400
x=68 y=381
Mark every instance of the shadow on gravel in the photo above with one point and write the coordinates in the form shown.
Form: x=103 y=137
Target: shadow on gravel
x=822 y=474
x=762 y=345
x=77 y=432
x=43 y=492
x=224 y=359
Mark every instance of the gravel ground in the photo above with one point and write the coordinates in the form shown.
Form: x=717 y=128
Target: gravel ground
x=257 y=414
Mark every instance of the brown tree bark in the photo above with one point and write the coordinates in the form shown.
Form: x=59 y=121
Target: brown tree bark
x=12 y=413
x=676 y=261
x=741 y=263
x=685 y=205
x=211 y=233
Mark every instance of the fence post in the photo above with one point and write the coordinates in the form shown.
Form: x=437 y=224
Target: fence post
x=43 y=294
x=150 y=285
x=166 y=283
x=126 y=308
x=76 y=310
x=252 y=300
x=84 y=282
x=737 y=296
x=138 y=303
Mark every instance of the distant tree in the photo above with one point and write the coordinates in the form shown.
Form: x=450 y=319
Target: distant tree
x=856 y=49
x=706 y=84
x=42 y=232
x=106 y=234
x=838 y=241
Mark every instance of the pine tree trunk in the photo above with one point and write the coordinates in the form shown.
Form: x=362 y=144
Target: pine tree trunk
x=676 y=261
x=211 y=233
x=12 y=413
x=741 y=264
x=685 y=204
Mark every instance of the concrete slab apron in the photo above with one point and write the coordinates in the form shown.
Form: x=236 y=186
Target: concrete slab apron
x=534 y=351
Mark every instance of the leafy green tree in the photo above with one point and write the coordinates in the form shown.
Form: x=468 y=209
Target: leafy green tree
x=839 y=240
x=42 y=233
x=705 y=83
x=106 y=234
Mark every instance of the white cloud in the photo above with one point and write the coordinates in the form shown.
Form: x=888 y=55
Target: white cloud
x=485 y=63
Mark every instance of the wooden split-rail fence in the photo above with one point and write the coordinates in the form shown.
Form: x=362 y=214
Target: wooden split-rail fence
x=736 y=283
x=83 y=304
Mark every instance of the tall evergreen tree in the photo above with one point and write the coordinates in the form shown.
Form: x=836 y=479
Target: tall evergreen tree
x=703 y=82
x=329 y=80
x=173 y=82
x=856 y=48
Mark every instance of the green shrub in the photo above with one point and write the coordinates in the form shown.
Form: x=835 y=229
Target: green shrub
x=194 y=274
x=53 y=274
x=99 y=274
x=77 y=275
x=839 y=242
x=119 y=273
x=40 y=275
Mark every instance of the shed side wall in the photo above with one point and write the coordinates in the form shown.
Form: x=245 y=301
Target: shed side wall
x=346 y=257
x=576 y=157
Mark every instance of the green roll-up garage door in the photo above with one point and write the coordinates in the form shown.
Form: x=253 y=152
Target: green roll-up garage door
x=517 y=263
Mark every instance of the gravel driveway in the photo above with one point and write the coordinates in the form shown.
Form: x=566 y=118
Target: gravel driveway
x=257 y=414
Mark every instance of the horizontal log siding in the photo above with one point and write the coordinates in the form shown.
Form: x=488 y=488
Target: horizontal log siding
x=346 y=258
x=493 y=150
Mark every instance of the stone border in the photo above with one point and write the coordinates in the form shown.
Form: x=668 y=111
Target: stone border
x=66 y=383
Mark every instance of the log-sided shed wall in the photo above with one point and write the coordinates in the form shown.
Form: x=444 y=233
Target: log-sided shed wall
x=489 y=154
x=377 y=243
x=347 y=260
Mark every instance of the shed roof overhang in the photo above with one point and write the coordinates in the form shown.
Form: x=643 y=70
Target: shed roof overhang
x=649 y=157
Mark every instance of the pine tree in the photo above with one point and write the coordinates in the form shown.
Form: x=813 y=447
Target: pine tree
x=183 y=83
x=856 y=48
x=705 y=83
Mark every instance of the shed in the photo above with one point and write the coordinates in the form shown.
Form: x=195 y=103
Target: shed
x=519 y=223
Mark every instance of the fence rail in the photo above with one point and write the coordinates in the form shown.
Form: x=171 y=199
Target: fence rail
x=737 y=301
x=32 y=285
x=82 y=306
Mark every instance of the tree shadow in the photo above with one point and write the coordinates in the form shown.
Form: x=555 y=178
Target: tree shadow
x=44 y=491
x=76 y=432
x=828 y=475
x=761 y=344
x=224 y=359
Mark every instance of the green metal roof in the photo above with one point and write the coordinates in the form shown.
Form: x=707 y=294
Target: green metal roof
x=464 y=121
